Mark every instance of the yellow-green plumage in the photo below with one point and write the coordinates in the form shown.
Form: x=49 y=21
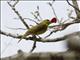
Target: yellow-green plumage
x=38 y=29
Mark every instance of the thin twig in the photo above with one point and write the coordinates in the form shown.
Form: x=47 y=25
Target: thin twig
x=39 y=13
x=35 y=16
x=16 y=28
x=18 y=15
x=50 y=4
x=16 y=3
x=32 y=20
x=34 y=46
x=75 y=6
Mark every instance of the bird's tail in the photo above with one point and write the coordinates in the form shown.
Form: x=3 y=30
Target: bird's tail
x=26 y=34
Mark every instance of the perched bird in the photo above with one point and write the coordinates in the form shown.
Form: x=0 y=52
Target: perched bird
x=39 y=29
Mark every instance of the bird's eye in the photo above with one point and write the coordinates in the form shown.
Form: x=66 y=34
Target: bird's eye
x=47 y=20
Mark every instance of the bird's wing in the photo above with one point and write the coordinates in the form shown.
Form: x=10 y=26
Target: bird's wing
x=38 y=29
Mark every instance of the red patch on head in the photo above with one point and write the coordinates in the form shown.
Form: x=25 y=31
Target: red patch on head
x=53 y=20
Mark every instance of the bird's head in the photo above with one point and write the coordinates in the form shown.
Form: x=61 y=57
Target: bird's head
x=47 y=21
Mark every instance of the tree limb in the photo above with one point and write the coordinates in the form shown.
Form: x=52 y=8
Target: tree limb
x=62 y=26
x=22 y=20
x=75 y=6
x=34 y=46
x=34 y=38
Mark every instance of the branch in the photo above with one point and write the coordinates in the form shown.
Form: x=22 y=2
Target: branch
x=36 y=17
x=16 y=28
x=8 y=34
x=32 y=20
x=62 y=26
x=16 y=3
x=75 y=6
x=34 y=38
x=30 y=38
x=67 y=24
x=22 y=20
x=34 y=46
x=38 y=13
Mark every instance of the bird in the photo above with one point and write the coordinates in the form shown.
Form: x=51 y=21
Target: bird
x=39 y=28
